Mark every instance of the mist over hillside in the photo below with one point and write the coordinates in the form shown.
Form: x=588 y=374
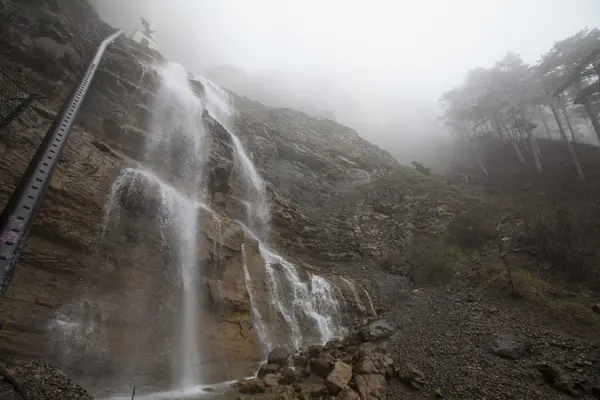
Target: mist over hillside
x=384 y=79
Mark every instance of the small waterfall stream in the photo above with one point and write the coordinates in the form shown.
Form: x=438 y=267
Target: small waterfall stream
x=301 y=303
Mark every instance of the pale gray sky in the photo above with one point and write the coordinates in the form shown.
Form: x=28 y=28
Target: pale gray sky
x=421 y=46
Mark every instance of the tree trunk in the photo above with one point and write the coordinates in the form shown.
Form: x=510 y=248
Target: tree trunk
x=545 y=122
x=496 y=126
x=590 y=112
x=523 y=139
x=475 y=150
x=564 y=110
x=534 y=150
x=564 y=136
x=512 y=141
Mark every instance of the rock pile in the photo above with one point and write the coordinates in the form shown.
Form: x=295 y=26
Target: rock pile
x=352 y=368
x=39 y=381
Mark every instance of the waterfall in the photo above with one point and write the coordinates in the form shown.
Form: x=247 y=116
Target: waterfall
x=357 y=299
x=300 y=303
x=257 y=319
x=371 y=308
x=168 y=327
x=159 y=315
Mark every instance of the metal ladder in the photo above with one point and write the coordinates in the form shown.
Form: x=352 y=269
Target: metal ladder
x=23 y=205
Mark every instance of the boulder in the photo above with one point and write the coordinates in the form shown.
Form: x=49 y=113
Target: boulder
x=323 y=365
x=376 y=363
x=266 y=369
x=334 y=344
x=338 y=378
x=371 y=387
x=278 y=356
x=271 y=380
x=252 y=386
x=507 y=345
x=299 y=360
x=290 y=375
x=557 y=378
x=411 y=376
x=376 y=330
x=318 y=391
x=315 y=351
x=348 y=394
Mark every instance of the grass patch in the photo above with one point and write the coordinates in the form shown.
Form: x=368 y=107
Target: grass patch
x=548 y=300
x=433 y=262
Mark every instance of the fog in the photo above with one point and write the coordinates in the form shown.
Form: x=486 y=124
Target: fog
x=378 y=66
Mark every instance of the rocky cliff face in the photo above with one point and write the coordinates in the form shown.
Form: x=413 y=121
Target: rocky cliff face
x=316 y=172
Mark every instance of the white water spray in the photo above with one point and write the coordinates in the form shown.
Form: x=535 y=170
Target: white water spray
x=357 y=299
x=371 y=308
x=302 y=304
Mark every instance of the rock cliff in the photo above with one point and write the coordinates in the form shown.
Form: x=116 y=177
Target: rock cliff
x=317 y=174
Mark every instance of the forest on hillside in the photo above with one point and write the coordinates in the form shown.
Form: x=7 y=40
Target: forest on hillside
x=516 y=103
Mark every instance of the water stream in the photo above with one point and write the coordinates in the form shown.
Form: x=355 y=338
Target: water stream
x=301 y=303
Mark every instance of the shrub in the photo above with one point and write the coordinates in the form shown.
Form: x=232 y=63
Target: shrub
x=432 y=262
x=471 y=229
x=419 y=167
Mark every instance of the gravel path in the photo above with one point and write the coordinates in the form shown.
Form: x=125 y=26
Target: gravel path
x=448 y=333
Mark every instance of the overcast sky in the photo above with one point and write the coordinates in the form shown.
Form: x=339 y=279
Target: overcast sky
x=423 y=46
x=377 y=53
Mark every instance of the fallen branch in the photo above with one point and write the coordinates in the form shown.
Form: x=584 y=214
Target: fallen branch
x=4 y=374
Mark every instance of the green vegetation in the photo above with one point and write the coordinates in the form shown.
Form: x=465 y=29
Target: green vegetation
x=544 y=297
x=433 y=262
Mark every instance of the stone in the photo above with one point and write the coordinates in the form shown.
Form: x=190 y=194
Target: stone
x=334 y=344
x=371 y=387
x=278 y=356
x=411 y=376
x=266 y=369
x=379 y=329
x=557 y=378
x=338 y=378
x=302 y=372
x=323 y=365
x=299 y=360
x=596 y=308
x=271 y=380
x=437 y=393
x=313 y=388
x=348 y=394
x=315 y=351
x=252 y=386
x=507 y=345
x=376 y=363
x=290 y=375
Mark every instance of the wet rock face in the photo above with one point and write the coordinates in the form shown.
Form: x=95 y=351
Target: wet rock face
x=129 y=283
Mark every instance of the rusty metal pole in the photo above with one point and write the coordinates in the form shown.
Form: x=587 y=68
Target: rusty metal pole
x=23 y=205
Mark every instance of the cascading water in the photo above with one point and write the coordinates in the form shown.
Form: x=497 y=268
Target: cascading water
x=352 y=287
x=302 y=304
x=371 y=307
x=174 y=148
x=162 y=315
